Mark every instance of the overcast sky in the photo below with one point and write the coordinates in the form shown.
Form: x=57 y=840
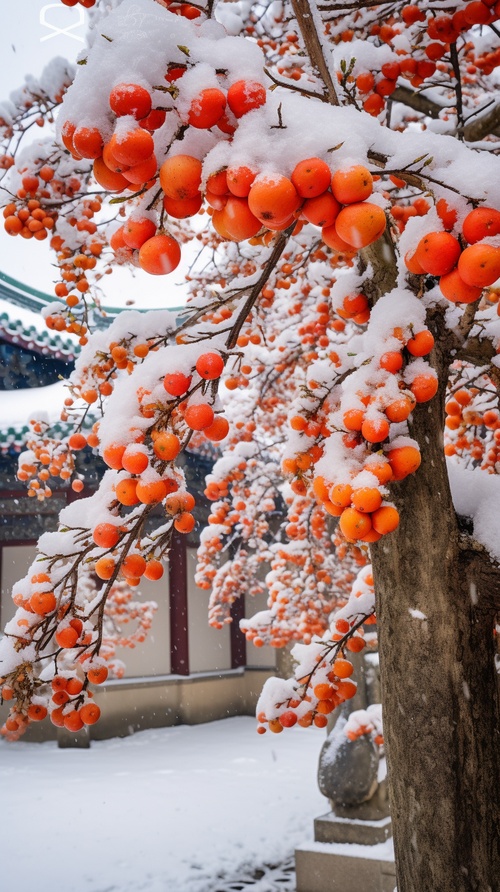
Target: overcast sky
x=32 y=33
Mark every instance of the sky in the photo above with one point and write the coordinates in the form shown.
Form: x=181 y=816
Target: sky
x=28 y=41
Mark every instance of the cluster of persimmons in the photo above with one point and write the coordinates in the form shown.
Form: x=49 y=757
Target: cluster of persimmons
x=363 y=514
x=463 y=270
x=322 y=679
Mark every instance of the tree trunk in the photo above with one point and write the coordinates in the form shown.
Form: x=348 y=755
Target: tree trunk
x=439 y=685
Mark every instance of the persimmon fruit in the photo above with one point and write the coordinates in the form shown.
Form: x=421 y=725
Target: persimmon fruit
x=244 y=96
x=360 y=224
x=207 y=108
x=352 y=184
x=159 y=255
x=273 y=199
x=438 y=253
x=311 y=177
x=130 y=99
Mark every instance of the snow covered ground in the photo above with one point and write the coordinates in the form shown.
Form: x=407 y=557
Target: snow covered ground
x=168 y=810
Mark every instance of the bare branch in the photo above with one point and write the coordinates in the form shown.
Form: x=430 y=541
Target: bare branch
x=311 y=38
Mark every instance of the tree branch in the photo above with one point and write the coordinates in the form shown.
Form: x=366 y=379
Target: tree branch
x=472 y=132
x=305 y=20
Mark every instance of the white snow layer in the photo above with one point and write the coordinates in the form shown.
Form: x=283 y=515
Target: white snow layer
x=167 y=810
x=477 y=495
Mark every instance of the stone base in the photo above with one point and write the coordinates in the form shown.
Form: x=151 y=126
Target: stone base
x=332 y=828
x=333 y=867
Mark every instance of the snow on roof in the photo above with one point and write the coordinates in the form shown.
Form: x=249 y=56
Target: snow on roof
x=27 y=329
x=18 y=406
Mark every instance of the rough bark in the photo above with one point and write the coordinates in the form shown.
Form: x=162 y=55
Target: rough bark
x=439 y=685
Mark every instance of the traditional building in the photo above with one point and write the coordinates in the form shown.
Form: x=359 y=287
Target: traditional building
x=185 y=672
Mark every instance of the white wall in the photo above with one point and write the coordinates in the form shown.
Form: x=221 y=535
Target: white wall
x=208 y=648
x=150 y=658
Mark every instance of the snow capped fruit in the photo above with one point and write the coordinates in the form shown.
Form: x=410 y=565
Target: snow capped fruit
x=243 y=96
x=207 y=108
x=424 y=387
x=273 y=199
x=375 y=429
x=88 y=142
x=130 y=99
x=159 y=255
x=239 y=180
x=176 y=383
x=404 y=460
x=150 y=493
x=210 y=366
x=353 y=184
x=133 y=147
x=135 y=460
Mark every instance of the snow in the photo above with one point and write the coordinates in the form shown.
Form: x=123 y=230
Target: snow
x=476 y=494
x=166 y=810
x=18 y=406
x=383 y=851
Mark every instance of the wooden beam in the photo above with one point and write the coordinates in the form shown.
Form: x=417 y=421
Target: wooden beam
x=179 y=635
x=238 y=640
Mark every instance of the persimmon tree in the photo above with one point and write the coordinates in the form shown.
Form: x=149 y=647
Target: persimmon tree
x=336 y=165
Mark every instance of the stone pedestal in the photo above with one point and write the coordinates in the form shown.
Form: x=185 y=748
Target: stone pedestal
x=332 y=828
x=333 y=867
